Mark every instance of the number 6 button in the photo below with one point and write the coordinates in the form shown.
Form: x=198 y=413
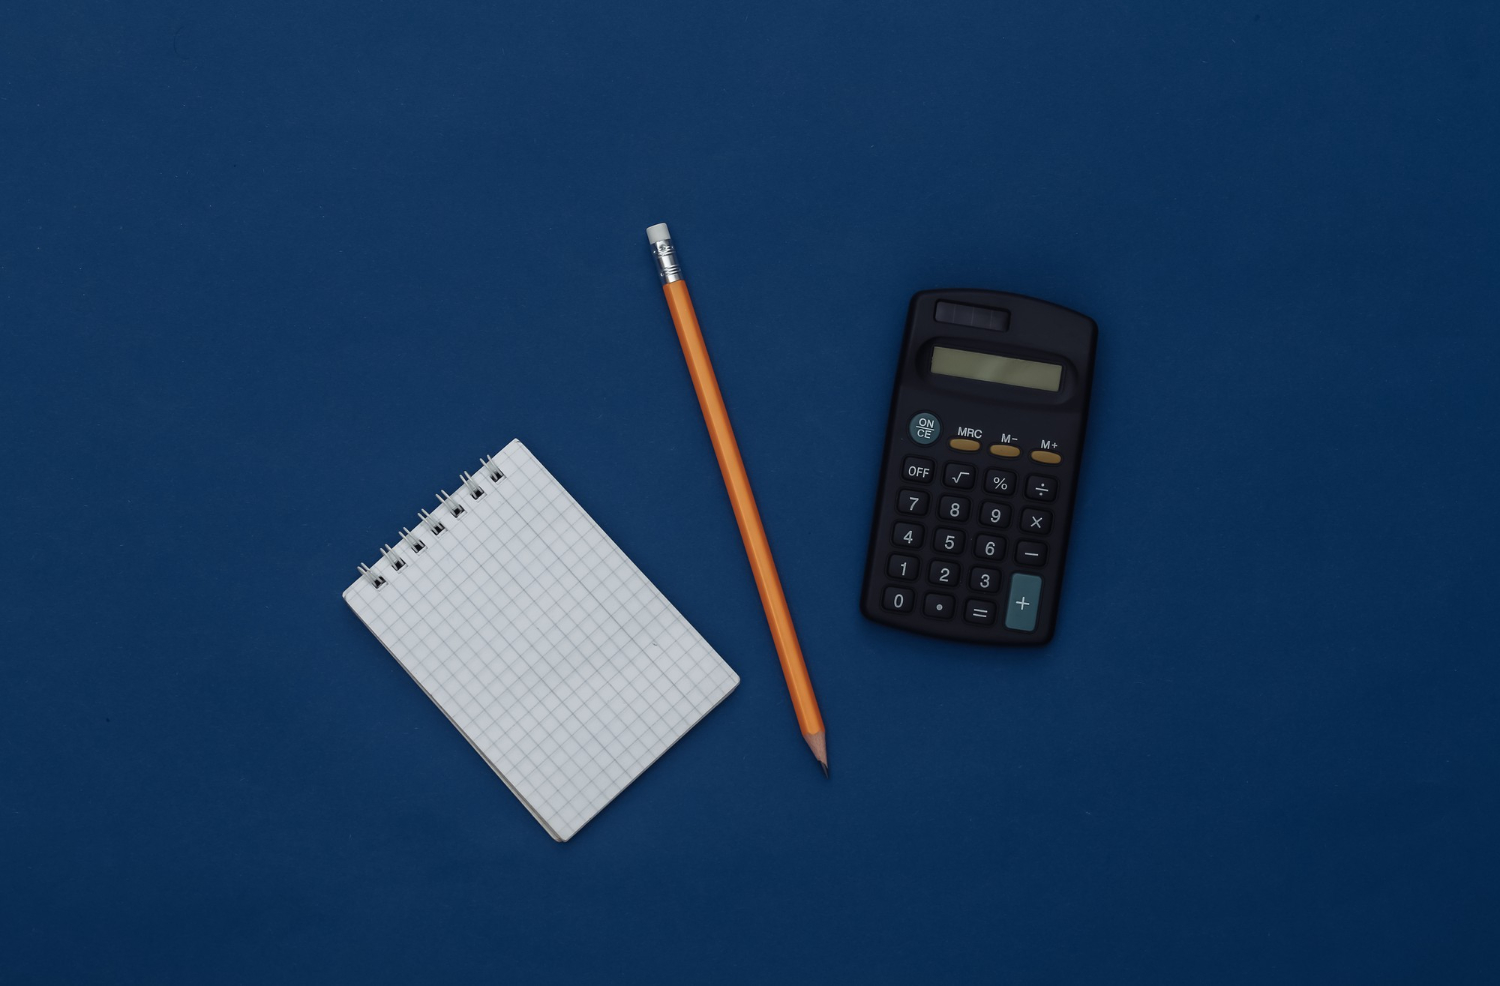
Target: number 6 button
x=989 y=546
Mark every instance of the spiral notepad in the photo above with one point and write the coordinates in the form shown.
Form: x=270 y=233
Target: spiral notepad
x=561 y=664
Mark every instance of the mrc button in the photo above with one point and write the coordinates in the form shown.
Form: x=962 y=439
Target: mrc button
x=924 y=427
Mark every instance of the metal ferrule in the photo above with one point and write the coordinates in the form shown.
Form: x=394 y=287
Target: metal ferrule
x=666 y=261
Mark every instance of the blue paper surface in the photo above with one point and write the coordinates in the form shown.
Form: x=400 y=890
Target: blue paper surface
x=271 y=274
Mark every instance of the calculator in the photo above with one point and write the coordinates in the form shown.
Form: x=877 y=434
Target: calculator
x=980 y=471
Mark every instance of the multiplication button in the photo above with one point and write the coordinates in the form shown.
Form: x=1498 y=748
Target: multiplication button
x=1036 y=521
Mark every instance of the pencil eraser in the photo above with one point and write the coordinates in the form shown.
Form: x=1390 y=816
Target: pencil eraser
x=657 y=233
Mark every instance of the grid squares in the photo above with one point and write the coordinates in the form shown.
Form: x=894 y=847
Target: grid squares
x=560 y=662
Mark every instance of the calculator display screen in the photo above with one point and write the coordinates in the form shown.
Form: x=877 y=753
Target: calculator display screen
x=996 y=369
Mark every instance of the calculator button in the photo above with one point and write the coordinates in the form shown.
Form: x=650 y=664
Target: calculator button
x=924 y=428
x=908 y=535
x=1025 y=596
x=1041 y=487
x=916 y=469
x=953 y=508
x=963 y=444
x=959 y=475
x=1036 y=521
x=948 y=542
x=989 y=546
x=1050 y=458
x=979 y=611
x=984 y=579
x=994 y=514
x=943 y=573
x=938 y=605
x=911 y=502
x=1031 y=553
x=902 y=567
x=1005 y=451
x=898 y=598
x=1001 y=481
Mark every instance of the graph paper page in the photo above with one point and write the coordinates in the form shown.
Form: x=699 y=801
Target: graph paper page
x=563 y=666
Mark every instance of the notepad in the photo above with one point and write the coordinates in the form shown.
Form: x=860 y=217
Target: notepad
x=560 y=663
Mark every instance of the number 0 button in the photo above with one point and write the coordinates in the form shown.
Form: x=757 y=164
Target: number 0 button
x=898 y=600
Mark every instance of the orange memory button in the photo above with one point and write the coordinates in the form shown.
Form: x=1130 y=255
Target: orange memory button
x=1005 y=451
x=1051 y=458
x=963 y=444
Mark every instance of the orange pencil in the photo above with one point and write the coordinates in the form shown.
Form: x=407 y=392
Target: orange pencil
x=752 y=532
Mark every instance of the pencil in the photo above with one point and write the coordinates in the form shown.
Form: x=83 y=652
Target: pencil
x=737 y=482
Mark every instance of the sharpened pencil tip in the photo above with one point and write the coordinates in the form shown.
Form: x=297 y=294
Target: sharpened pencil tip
x=824 y=766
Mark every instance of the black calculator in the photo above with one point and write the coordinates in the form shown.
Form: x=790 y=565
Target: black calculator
x=980 y=471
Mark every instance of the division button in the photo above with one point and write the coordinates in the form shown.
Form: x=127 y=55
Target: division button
x=924 y=427
x=1005 y=451
x=938 y=605
x=963 y=444
x=1041 y=488
x=979 y=611
x=1032 y=553
x=1050 y=458
x=898 y=599
x=1025 y=599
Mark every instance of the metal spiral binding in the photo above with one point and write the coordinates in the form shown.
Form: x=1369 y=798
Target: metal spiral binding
x=430 y=526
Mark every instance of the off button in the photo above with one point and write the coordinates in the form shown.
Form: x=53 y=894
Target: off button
x=925 y=428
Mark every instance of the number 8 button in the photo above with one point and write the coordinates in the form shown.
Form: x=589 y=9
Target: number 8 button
x=953 y=508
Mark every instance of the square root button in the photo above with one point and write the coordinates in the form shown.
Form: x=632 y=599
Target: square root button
x=1025 y=597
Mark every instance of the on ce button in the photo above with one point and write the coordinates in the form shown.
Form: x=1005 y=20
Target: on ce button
x=925 y=428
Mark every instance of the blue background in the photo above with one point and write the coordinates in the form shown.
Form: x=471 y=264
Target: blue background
x=273 y=273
